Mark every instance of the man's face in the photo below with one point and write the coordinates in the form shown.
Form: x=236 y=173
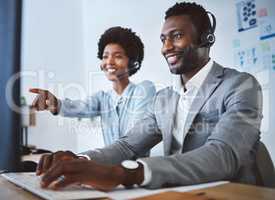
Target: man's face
x=179 y=38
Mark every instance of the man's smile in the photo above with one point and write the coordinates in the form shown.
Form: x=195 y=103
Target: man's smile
x=173 y=58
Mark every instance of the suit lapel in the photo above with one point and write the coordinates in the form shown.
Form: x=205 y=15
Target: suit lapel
x=211 y=82
x=170 y=121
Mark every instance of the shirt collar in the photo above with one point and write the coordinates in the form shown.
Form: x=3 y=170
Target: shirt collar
x=118 y=98
x=196 y=81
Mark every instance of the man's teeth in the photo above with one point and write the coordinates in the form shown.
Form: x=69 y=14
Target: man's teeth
x=172 y=59
x=111 y=70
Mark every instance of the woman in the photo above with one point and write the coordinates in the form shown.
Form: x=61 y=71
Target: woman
x=121 y=53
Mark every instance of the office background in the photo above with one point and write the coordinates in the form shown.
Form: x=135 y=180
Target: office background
x=60 y=47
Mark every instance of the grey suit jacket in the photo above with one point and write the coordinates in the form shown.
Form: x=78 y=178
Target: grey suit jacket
x=222 y=133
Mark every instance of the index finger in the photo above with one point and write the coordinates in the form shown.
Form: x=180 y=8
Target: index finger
x=37 y=91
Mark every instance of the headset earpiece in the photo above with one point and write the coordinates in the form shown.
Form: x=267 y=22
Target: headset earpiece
x=133 y=66
x=208 y=38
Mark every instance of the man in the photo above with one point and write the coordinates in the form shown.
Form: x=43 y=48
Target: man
x=210 y=126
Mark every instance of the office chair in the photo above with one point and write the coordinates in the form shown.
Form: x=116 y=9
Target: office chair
x=264 y=167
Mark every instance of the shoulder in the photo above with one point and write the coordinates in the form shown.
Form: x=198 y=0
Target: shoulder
x=146 y=85
x=241 y=87
x=166 y=91
x=241 y=80
x=146 y=88
x=167 y=94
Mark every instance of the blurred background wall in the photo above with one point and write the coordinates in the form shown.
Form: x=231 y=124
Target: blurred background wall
x=60 y=54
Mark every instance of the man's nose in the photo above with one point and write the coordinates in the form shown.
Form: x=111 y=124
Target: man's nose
x=167 y=45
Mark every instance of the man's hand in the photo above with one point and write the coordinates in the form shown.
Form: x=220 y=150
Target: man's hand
x=88 y=172
x=45 y=100
x=48 y=160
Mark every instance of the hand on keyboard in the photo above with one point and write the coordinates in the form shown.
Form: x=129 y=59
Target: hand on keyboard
x=48 y=160
x=87 y=172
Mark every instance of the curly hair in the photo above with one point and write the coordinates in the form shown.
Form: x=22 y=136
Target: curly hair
x=198 y=15
x=128 y=40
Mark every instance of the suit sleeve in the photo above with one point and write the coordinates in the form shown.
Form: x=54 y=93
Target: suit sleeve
x=140 y=139
x=227 y=149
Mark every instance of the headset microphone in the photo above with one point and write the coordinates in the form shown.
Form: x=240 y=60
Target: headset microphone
x=133 y=66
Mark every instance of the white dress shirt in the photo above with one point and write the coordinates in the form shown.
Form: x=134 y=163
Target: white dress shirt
x=187 y=95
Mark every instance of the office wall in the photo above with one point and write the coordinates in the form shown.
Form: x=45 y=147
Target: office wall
x=52 y=59
x=61 y=37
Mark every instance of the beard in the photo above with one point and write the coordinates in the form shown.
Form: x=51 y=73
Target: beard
x=187 y=62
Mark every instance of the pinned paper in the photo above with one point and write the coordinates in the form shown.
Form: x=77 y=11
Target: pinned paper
x=246 y=14
x=267 y=27
x=248 y=59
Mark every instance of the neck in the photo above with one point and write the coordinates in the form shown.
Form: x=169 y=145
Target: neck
x=188 y=75
x=120 y=85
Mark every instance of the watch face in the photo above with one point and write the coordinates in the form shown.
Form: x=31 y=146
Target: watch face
x=129 y=164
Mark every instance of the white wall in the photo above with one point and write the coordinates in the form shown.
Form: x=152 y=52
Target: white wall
x=61 y=36
x=52 y=59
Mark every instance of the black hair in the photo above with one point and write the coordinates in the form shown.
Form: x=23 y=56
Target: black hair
x=128 y=40
x=198 y=15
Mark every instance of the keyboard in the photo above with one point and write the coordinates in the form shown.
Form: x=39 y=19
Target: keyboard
x=31 y=182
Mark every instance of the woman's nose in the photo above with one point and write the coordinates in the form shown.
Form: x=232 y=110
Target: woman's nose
x=109 y=60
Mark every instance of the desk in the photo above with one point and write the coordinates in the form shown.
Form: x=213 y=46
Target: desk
x=228 y=191
x=11 y=191
x=237 y=191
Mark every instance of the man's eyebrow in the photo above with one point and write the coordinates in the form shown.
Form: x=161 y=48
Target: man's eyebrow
x=171 y=32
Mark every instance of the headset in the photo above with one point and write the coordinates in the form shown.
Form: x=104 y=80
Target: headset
x=208 y=37
x=134 y=65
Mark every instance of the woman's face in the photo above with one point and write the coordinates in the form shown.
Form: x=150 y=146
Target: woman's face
x=115 y=62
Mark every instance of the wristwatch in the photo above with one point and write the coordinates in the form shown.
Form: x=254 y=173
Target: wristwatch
x=132 y=169
x=130 y=165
